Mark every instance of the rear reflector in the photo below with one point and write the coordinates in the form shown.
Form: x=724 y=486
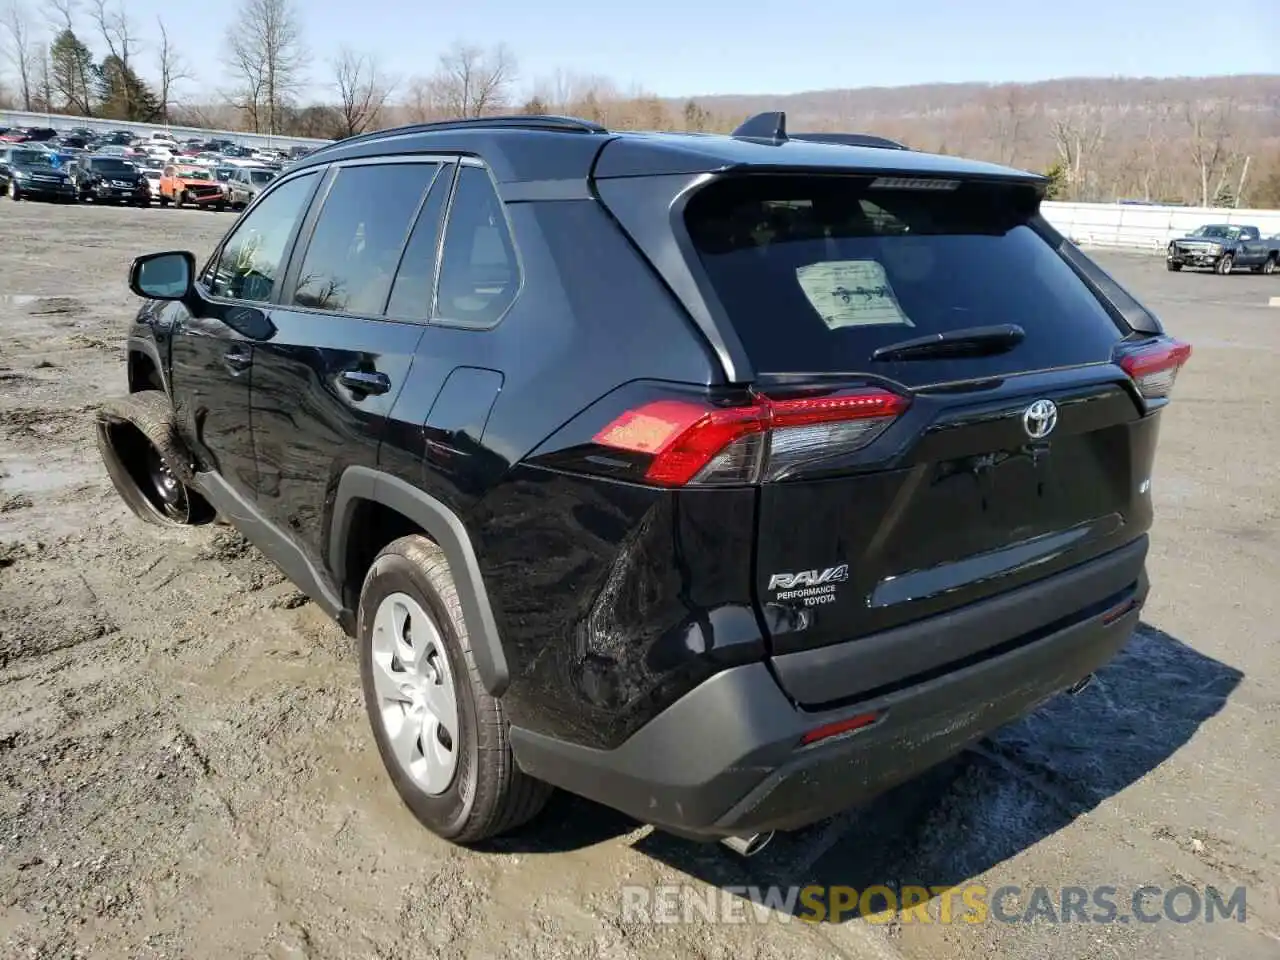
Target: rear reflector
x=834 y=729
x=1154 y=369
x=701 y=444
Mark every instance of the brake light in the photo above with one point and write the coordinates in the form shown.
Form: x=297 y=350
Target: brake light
x=1154 y=369
x=698 y=443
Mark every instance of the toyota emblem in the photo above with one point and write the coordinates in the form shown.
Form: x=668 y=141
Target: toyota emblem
x=1040 y=418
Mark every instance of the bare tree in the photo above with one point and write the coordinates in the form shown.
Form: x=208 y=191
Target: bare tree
x=1010 y=117
x=44 y=77
x=172 y=69
x=471 y=81
x=362 y=90
x=1211 y=127
x=1078 y=134
x=20 y=49
x=264 y=52
x=61 y=15
x=116 y=30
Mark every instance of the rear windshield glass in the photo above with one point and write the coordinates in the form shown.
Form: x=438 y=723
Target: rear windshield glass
x=815 y=273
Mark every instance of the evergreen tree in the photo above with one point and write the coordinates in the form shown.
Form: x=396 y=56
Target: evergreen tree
x=1057 y=175
x=122 y=94
x=696 y=118
x=71 y=70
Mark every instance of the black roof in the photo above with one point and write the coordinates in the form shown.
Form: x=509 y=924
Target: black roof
x=542 y=148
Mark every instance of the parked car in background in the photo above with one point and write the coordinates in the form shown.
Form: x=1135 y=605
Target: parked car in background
x=29 y=174
x=182 y=184
x=245 y=183
x=111 y=180
x=30 y=134
x=152 y=176
x=1221 y=247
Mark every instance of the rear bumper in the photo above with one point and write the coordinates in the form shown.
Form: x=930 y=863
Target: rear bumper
x=727 y=760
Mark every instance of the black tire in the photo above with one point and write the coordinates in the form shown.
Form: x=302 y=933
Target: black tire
x=181 y=200
x=1269 y=266
x=1172 y=267
x=1224 y=265
x=488 y=794
x=219 y=207
x=14 y=193
x=147 y=462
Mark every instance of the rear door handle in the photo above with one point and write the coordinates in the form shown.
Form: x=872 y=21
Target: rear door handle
x=237 y=359
x=367 y=382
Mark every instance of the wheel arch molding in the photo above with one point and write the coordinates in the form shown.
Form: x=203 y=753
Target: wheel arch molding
x=443 y=526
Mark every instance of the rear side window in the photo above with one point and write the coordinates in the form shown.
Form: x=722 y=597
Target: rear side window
x=479 y=275
x=815 y=273
x=352 y=256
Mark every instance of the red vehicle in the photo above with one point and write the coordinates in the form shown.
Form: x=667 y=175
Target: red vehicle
x=181 y=184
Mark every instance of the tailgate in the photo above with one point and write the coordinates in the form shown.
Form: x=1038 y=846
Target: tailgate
x=1020 y=449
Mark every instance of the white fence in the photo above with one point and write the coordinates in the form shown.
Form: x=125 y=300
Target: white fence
x=19 y=118
x=1138 y=226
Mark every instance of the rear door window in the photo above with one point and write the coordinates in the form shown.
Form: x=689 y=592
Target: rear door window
x=352 y=256
x=413 y=293
x=816 y=273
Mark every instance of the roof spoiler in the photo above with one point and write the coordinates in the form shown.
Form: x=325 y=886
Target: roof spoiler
x=772 y=128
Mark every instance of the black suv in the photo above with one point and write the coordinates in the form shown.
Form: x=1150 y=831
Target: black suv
x=111 y=179
x=725 y=480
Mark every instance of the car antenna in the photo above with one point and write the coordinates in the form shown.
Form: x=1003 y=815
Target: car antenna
x=764 y=128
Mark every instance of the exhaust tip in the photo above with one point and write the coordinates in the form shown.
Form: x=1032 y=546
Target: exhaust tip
x=748 y=846
x=1079 y=685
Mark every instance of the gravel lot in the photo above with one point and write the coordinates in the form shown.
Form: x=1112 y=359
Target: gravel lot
x=185 y=769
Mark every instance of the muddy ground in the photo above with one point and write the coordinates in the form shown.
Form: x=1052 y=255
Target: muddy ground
x=185 y=769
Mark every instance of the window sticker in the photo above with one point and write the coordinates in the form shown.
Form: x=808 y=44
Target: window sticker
x=851 y=293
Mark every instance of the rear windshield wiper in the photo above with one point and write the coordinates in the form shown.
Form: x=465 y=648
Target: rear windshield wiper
x=967 y=342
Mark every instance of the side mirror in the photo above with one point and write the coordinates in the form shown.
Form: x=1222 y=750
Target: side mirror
x=163 y=276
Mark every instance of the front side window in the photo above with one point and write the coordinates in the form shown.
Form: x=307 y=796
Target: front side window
x=352 y=256
x=252 y=256
x=479 y=274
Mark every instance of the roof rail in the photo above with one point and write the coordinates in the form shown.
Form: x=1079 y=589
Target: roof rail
x=772 y=128
x=513 y=122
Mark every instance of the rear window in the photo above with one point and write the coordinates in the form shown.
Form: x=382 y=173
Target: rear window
x=815 y=273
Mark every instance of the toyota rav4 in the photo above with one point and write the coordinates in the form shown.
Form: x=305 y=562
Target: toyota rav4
x=725 y=480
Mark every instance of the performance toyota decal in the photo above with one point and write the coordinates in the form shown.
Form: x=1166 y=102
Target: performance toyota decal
x=811 y=587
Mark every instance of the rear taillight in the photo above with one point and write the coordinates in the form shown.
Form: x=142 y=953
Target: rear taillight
x=696 y=443
x=1153 y=369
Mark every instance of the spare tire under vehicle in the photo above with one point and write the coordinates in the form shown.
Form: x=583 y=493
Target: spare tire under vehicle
x=147 y=461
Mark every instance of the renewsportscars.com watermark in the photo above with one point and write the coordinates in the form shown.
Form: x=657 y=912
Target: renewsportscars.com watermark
x=970 y=903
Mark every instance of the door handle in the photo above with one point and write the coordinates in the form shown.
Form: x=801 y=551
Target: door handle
x=237 y=361
x=365 y=382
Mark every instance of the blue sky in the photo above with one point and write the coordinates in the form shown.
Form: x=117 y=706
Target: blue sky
x=685 y=47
